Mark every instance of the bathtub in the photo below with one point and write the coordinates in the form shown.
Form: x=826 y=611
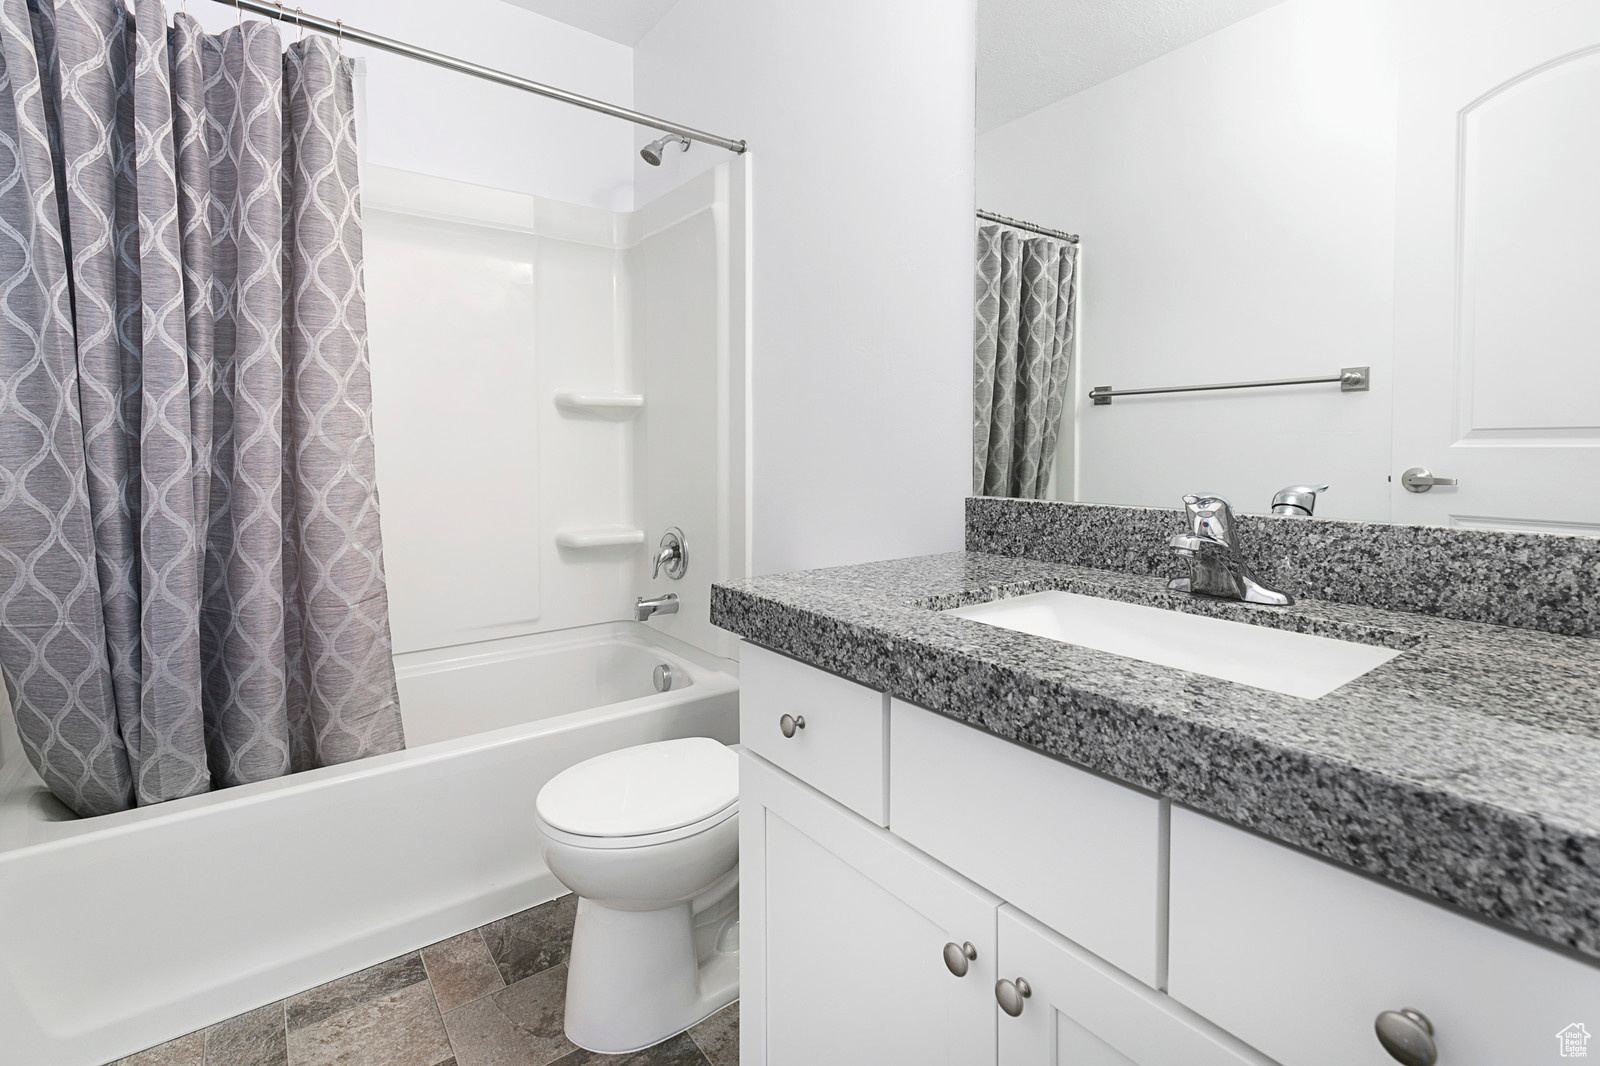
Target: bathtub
x=122 y=931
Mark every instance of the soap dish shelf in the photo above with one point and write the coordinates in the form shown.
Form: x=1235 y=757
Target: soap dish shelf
x=584 y=537
x=610 y=402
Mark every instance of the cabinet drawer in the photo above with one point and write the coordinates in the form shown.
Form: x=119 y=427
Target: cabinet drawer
x=839 y=750
x=1082 y=854
x=1083 y=1012
x=1298 y=956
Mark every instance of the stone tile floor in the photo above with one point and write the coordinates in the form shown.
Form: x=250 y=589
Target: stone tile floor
x=489 y=997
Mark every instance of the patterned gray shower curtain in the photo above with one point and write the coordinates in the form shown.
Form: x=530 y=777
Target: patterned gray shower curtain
x=1022 y=349
x=191 y=574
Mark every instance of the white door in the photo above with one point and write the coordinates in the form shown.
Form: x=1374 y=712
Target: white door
x=1497 y=343
x=844 y=935
x=1082 y=1011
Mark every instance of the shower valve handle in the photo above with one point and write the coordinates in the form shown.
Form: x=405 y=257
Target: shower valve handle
x=673 y=556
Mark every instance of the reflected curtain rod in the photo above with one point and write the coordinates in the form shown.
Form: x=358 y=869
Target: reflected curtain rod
x=337 y=28
x=1070 y=238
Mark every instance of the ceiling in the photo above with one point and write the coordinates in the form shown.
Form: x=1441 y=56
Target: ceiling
x=1030 y=52
x=623 y=21
x=1035 y=52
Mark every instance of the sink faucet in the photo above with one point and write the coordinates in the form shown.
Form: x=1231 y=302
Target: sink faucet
x=1211 y=548
x=1298 y=501
x=643 y=609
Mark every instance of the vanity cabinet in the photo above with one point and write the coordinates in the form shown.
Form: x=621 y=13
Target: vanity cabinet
x=847 y=932
x=904 y=876
x=1081 y=1011
x=1298 y=957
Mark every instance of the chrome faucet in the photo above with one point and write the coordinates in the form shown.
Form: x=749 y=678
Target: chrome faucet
x=673 y=556
x=1211 y=548
x=1298 y=501
x=644 y=609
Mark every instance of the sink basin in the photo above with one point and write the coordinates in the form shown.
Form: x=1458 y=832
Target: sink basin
x=1296 y=664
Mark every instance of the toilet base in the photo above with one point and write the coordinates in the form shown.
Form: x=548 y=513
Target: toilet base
x=637 y=977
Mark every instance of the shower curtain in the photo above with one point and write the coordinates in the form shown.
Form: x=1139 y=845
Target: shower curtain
x=1022 y=348
x=191 y=575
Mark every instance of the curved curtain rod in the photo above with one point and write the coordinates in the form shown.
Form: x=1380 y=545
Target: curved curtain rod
x=1070 y=238
x=337 y=28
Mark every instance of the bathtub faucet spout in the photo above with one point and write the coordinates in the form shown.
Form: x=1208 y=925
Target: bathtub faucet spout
x=643 y=608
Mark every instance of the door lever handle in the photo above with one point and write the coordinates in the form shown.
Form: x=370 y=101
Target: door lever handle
x=1420 y=479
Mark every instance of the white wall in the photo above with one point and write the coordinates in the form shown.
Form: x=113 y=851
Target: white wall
x=434 y=121
x=860 y=119
x=1236 y=202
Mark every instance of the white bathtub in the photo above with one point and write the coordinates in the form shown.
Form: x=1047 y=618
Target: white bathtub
x=122 y=931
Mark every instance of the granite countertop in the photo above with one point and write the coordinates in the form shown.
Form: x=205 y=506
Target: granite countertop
x=1466 y=769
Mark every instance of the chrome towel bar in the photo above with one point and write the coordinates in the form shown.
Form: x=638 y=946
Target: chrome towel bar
x=1349 y=379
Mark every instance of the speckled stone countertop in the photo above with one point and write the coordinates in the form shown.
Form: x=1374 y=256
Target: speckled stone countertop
x=1466 y=769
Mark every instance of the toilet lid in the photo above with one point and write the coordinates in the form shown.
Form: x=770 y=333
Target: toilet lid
x=651 y=788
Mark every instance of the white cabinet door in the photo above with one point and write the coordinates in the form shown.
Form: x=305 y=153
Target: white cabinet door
x=1497 y=361
x=1081 y=1011
x=843 y=939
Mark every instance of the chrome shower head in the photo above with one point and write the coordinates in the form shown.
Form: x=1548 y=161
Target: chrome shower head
x=655 y=151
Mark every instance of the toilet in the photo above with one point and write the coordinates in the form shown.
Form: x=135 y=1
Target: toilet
x=648 y=839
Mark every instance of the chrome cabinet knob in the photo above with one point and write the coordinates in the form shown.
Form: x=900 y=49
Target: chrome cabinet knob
x=1418 y=479
x=1407 y=1036
x=958 y=957
x=1010 y=995
x=791 y=724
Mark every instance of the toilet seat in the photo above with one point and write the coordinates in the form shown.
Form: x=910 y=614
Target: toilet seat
x=648 y=794
x=578 y=840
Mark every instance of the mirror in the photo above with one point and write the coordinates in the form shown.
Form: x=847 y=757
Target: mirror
x=1388 y=201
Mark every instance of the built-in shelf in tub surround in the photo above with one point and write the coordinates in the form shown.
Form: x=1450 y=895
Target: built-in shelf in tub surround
x=620 y=403
x=581 y=537
x=1466 y=769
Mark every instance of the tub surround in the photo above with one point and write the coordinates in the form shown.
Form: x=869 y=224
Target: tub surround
x=1466 y=770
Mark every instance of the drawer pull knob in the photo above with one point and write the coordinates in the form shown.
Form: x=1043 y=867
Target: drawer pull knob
x=1407 y=1036
x=1011 y=994
x=958 y=957
x=791 y=724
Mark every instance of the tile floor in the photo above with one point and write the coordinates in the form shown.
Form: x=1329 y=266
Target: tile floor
x=488 y=997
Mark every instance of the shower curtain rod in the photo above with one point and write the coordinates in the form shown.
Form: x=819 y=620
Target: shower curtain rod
x=1070 y=238
x=337 y=28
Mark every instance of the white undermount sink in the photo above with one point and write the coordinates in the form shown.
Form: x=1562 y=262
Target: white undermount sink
x=1296 y=664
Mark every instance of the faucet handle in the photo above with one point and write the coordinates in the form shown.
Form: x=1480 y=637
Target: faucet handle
x=1210 y=516
x=673 y=556
x=1206 y=501
x=1300 y=500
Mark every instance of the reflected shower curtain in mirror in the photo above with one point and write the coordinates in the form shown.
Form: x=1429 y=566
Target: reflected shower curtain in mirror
x=191 y=575
x=1022 y=348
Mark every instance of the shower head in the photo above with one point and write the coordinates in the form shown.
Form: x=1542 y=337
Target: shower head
x=655 y=151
